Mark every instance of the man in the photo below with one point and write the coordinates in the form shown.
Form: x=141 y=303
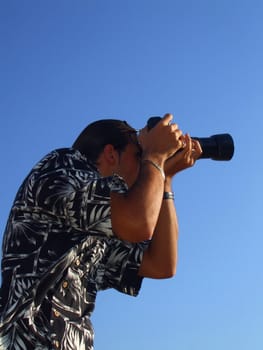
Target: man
x=98 y=215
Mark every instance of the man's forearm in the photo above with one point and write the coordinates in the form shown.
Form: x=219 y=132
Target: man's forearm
x=135 y=214
x=160 y=258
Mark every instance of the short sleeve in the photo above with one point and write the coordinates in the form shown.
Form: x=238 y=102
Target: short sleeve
x=81 y=198
x=90 y=210
x=117 y=184
x=122 y=262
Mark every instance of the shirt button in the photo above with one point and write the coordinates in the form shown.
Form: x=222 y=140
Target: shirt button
x=65 y=284
x=56 y=343
x=56 y=313
x=77 y=262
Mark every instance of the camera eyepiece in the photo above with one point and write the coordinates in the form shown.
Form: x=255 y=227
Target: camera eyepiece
x=216 y=147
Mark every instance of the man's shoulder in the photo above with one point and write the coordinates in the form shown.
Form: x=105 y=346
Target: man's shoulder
x=64 y=158
x=61 y=163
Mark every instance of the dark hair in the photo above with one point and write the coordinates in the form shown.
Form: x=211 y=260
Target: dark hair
x=98 y=134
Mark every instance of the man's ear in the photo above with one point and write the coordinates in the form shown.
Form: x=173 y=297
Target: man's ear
x=111 y=155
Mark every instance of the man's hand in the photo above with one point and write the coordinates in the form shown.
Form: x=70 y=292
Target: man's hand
x=184 y=158
x=162 y=141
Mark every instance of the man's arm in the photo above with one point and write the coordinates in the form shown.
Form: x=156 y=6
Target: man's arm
x=160 y=258
x=135 y=214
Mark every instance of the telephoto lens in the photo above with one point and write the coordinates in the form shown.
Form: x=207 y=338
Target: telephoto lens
x=216 y=147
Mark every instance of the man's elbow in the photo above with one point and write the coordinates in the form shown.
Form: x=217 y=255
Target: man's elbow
x=141 y=230
x=134 y=232
x=169 y=274
x=166 y=272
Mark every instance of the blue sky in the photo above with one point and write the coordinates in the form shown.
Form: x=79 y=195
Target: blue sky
x=66 y=63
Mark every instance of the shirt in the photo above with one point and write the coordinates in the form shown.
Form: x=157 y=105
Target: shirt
x=59 y=250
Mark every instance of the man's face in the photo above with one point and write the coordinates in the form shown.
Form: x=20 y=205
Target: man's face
x=129 y=163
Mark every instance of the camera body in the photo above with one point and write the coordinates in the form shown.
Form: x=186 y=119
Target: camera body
x=216 y=147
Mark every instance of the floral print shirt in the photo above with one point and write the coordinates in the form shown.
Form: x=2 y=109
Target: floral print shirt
x=58 y=252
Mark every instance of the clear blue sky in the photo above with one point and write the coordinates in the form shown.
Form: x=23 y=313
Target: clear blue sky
x=67 y=63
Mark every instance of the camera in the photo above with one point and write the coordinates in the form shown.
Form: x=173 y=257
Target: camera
x=216 y=147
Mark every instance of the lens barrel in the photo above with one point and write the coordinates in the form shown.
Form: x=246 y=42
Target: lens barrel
x=216 y=147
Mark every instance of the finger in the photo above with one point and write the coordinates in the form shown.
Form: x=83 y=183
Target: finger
x=167 y=118
x=175 y=127
x=141 y=133
x=187 y=142
x=196 y=150
x=143 y=130
x=197 y=147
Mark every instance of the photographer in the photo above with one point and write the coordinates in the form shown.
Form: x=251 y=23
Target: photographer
x=95 y=216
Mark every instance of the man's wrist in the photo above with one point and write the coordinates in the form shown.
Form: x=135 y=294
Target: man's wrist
x=168 y=195
x=156 y=166
x=154 y=157
x=168 y=184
